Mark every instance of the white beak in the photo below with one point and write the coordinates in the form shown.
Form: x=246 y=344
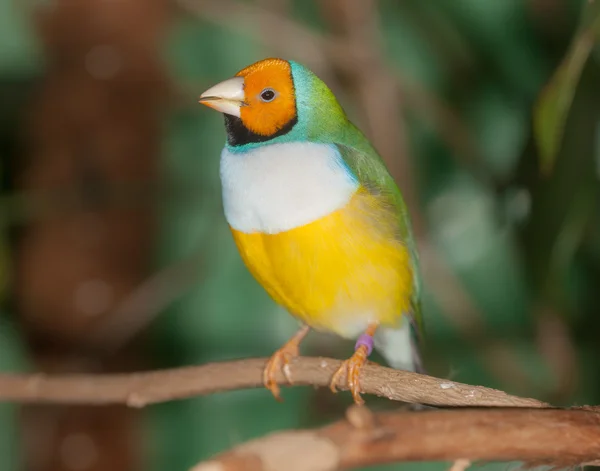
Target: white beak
x=226 y=97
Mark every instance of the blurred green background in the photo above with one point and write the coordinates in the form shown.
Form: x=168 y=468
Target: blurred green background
x=115 y=255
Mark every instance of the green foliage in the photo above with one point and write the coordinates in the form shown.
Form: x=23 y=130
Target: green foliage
x=18 y=47
x=12 y=359
x=555 y=101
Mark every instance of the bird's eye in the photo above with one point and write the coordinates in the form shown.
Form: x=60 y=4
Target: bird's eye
x=267 y=95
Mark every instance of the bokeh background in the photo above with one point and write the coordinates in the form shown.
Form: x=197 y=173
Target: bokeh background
x=115 y=255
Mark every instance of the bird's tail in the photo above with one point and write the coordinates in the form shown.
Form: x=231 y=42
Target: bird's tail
x=399 y=346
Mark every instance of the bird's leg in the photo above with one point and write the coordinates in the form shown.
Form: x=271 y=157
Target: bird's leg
x=353 y=365
x=281 y=360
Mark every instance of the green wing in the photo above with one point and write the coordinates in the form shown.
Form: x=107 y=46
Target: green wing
x=364 y=162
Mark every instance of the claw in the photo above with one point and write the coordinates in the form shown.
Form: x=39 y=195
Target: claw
x=281 y=361
x=353 y=365
x=287 y=372
x=352 y=368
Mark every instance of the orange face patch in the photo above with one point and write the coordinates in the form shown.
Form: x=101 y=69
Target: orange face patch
x=270 y=102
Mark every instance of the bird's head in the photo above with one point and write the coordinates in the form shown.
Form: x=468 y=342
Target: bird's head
x=274 y=100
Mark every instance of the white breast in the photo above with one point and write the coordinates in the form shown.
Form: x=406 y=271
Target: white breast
x=281 y=186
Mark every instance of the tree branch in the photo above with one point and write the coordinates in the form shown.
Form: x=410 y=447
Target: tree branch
x=559 y=438
x=140 y=389
x=534 y=433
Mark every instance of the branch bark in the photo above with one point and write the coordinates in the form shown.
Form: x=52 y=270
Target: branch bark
x=558 y=438
x=140 y=389
x=504 y=427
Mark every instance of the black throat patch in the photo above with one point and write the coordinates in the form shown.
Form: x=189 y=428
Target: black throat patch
x=238 y=134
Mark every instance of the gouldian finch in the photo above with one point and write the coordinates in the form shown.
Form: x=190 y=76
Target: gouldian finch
x=317 y=218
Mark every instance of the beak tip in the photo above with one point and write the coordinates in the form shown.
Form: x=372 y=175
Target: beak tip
x=206 y=99
x=226 y=97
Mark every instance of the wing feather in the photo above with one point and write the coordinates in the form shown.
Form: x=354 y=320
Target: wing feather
x=370 y=170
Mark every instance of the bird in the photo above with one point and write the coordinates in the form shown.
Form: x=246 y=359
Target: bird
x=317 y=218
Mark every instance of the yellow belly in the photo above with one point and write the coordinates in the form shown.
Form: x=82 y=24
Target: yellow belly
x=342 y=271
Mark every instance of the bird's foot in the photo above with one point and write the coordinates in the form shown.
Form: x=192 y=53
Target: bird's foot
x=353 y=366
x=281 y=361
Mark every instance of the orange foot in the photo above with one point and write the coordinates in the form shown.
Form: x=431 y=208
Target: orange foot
x=281 y=360
x=353 y=365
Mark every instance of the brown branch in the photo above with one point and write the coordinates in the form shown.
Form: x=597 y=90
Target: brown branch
x=140 y=389
x=536 y=433
x=460 y=465
x=559 y=438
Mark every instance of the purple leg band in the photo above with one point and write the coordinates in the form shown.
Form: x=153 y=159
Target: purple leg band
x=365 y=340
